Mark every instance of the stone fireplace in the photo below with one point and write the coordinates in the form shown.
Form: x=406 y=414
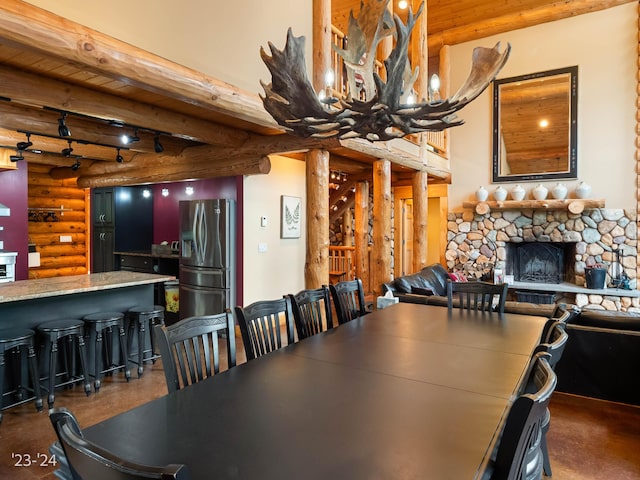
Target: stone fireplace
x=548 y=246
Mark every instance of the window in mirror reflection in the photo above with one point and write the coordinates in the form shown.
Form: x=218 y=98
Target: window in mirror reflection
x=535 y=126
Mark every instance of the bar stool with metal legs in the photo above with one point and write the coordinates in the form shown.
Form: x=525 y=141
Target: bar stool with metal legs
x=96 y=324
x=71 y=330
x=15 y=341
x=141 y=319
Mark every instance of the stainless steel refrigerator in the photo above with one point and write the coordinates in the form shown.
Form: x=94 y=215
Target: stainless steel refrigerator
x=207 y=256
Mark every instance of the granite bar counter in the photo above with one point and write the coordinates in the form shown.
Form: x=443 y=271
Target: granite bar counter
x=27 y=303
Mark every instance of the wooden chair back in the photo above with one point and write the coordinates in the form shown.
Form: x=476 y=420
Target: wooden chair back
x=348 y=300
x=312 y=311
x=477 y=296
x=190 y=348
x=260 y=326
x=88 y=460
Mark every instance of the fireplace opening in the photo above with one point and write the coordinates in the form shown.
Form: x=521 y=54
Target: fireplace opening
x=541 y=262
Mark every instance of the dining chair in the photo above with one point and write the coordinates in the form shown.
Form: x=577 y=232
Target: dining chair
x=519 y=451
x=477 y=296
x=312 y=311
x=260 y=326
x=554 y=347
x=190 y=348
x=86 y=460
x=348 y=300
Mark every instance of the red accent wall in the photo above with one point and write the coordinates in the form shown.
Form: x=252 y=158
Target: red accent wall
x=13 y=194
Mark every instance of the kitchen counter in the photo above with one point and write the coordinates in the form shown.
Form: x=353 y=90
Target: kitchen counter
x=27 y=303
x=56 y=286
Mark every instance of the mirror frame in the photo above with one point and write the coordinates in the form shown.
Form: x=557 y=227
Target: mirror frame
x=572 y=172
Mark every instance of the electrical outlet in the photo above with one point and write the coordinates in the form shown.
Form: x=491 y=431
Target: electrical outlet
x=65 y=238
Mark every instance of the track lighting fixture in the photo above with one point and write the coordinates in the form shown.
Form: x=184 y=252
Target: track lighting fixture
x=17 y=157
x=67 y=151
x=63 y=130
x=76 y=165
x=127 y=139
x=157 y=146
x=22 y=146
x=119 y=158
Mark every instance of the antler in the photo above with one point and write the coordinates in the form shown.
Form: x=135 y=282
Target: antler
x=292 y=102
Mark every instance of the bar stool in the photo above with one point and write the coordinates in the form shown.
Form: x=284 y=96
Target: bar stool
x=142 y=318
x=15 y=341
x=95 y=325
x=71 y=329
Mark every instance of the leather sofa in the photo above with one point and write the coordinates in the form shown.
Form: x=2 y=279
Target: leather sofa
x=602 y=357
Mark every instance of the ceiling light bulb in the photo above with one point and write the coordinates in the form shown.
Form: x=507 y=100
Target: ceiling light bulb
x=165 y=192
x=402 y=4
x=146 y=193
x=329 y=78
x=188 y=190
x=544 y=123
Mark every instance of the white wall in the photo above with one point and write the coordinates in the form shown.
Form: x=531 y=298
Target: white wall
x=604 y=46
x=279 y=270
x=219 y=38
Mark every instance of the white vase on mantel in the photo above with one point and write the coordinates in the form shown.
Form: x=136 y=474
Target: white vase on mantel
x=518 y=193
x=482 y=194
x=540 y=192
x=500 y=194
x=559 y=192
x=583 y=190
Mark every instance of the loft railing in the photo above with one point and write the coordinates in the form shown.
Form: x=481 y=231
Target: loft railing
x=342 y=265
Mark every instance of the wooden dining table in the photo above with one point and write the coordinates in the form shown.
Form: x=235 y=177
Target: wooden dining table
x=410 y=391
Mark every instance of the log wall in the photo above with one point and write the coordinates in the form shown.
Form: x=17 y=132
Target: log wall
x=57 y=208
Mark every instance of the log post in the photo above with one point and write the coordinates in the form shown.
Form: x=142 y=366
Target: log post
x=347 y=229
x=316 y=268
x=381 y=251
x=321 y=42
x=420 y=215
x=361 y=232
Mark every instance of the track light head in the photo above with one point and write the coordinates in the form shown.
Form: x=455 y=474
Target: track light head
x=66 y=152
x=17 y=157
x=76 y=165
x=21 y=146
x=127 y=139
x=63 y=130
x=157 y=146
x=119 y=158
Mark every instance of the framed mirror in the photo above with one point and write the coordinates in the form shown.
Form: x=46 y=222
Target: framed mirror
x=535 y=126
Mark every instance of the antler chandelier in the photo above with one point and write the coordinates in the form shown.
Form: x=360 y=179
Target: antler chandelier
x=386 y=111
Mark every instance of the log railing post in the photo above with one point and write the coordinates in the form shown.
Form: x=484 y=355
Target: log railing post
x=361 y=231
x=420 y=214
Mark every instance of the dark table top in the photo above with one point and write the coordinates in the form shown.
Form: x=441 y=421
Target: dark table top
x=405 y=392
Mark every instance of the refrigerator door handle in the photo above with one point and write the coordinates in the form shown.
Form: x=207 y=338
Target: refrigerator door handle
x=203 y=234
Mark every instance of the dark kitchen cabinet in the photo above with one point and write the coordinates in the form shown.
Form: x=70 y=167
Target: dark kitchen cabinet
x=122 y=219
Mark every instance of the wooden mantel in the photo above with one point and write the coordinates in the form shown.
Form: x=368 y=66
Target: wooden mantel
x=573 y=205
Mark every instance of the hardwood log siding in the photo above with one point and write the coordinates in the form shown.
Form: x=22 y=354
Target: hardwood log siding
x=47 y=196
x=420 y=215
x=361 y=231
x=316 y=269
x=381 y=251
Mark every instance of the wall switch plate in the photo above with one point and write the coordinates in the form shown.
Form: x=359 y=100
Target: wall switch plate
x=65 y=238
x=262 y=247
x=263 y=221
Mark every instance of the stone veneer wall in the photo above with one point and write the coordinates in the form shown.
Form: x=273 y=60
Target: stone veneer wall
x=477 y=242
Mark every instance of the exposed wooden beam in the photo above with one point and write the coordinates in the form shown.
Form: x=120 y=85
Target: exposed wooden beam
x=515 y=21
x=30 y=89
x=53 y=35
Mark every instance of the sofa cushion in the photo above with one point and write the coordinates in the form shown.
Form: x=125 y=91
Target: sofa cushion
x=437 y=277
x=405 y=283
x=608 y=319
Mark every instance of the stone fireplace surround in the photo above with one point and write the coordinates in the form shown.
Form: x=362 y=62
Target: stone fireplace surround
x=478 y=242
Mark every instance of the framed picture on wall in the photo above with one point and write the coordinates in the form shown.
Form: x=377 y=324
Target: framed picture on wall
x=290 y=217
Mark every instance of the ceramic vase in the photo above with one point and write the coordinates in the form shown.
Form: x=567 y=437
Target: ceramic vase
x=540 y=192
x=518 y=193
x=500 y=194
x=482 y=194
x=559 y=191
x=583 y=190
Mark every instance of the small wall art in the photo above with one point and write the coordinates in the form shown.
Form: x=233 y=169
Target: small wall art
x=290 y=217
